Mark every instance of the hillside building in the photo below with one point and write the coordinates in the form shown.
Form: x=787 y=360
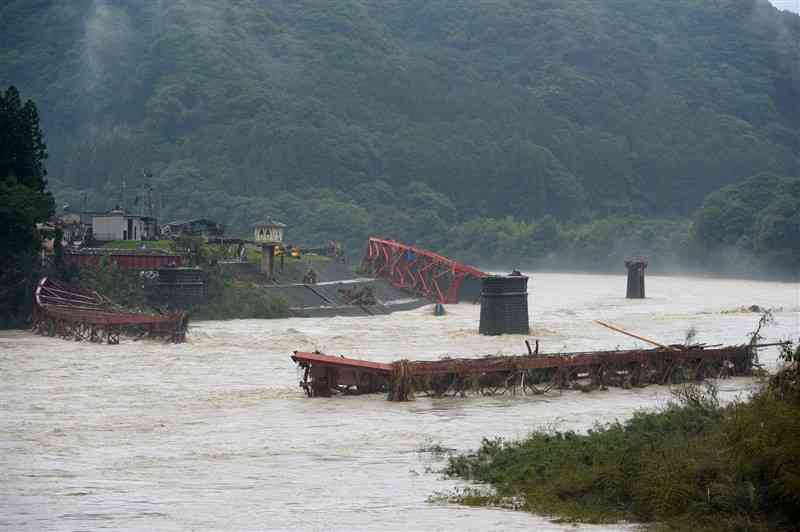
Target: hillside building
x=119 y=225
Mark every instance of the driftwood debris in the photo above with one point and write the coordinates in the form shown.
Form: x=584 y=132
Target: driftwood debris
x=362 y=296
x=642 y=338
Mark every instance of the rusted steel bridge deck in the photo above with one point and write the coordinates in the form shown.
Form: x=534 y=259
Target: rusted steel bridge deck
x=73 y=313
x=325 y=375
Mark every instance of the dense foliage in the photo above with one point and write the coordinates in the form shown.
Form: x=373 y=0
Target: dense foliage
x=599 y=245
x=755 y=224
x=229 y=299
x=23 y=203
x=408 y=118
x=123 y=287
x=695 y=465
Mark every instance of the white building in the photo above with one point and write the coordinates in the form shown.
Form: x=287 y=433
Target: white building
x=118 y=225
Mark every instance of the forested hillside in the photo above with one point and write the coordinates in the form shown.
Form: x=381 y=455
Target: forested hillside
x=425 y=120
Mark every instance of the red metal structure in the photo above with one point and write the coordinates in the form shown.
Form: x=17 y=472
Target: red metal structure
x=324 y=374
x=418 y=270
x=73 y=313
x=535 y=373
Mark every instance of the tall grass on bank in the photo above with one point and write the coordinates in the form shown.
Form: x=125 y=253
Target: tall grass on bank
x=229 y=299
x=695 y=465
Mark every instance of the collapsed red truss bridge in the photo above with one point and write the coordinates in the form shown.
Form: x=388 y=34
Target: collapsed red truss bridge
x=420 y=271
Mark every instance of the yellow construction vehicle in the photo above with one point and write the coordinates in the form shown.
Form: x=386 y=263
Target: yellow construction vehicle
x=292 y=251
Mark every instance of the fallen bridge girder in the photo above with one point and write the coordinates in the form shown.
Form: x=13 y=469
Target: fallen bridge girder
x=325 y=374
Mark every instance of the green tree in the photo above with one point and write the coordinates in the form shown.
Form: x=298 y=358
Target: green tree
x=23 y=203
x=776 y=234
x=22 y=148
x=755 y=221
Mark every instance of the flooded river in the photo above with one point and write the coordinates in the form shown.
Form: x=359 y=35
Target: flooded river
x=215 y=434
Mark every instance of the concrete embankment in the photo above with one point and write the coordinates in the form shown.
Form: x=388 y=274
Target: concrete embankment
x=329 y=298
x=332 y=294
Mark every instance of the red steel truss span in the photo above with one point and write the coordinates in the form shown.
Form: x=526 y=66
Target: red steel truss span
x=418 y=270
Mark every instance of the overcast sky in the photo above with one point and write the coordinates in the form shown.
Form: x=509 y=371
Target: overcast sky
x=791 y=5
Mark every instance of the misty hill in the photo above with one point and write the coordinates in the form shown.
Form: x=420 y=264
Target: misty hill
x=411 y=118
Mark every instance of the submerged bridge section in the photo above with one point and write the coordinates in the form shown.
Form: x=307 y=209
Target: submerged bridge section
x=422 y=272
x=325 y=375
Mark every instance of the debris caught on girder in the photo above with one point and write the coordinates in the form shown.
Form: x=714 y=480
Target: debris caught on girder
x=533 y=373
x=311 y=276
x=642 y=338
x=362 y=296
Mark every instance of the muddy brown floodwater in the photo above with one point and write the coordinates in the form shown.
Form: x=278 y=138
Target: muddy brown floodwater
x=215 y=434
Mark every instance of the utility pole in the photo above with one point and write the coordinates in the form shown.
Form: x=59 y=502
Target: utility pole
x=121 y=202
x=149 y=191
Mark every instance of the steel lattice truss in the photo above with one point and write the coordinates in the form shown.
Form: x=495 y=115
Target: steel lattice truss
x=417 y=270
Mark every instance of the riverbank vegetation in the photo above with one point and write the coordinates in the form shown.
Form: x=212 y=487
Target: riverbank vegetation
x=230 y=299
x=694 y=465
x=226 y=297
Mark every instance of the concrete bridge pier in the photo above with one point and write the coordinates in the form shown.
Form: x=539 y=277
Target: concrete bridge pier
x=636 y=268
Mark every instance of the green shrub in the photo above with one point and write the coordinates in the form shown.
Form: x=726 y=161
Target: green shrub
x=124 y=287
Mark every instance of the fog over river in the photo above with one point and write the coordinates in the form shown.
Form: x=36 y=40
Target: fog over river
x=215 y=434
